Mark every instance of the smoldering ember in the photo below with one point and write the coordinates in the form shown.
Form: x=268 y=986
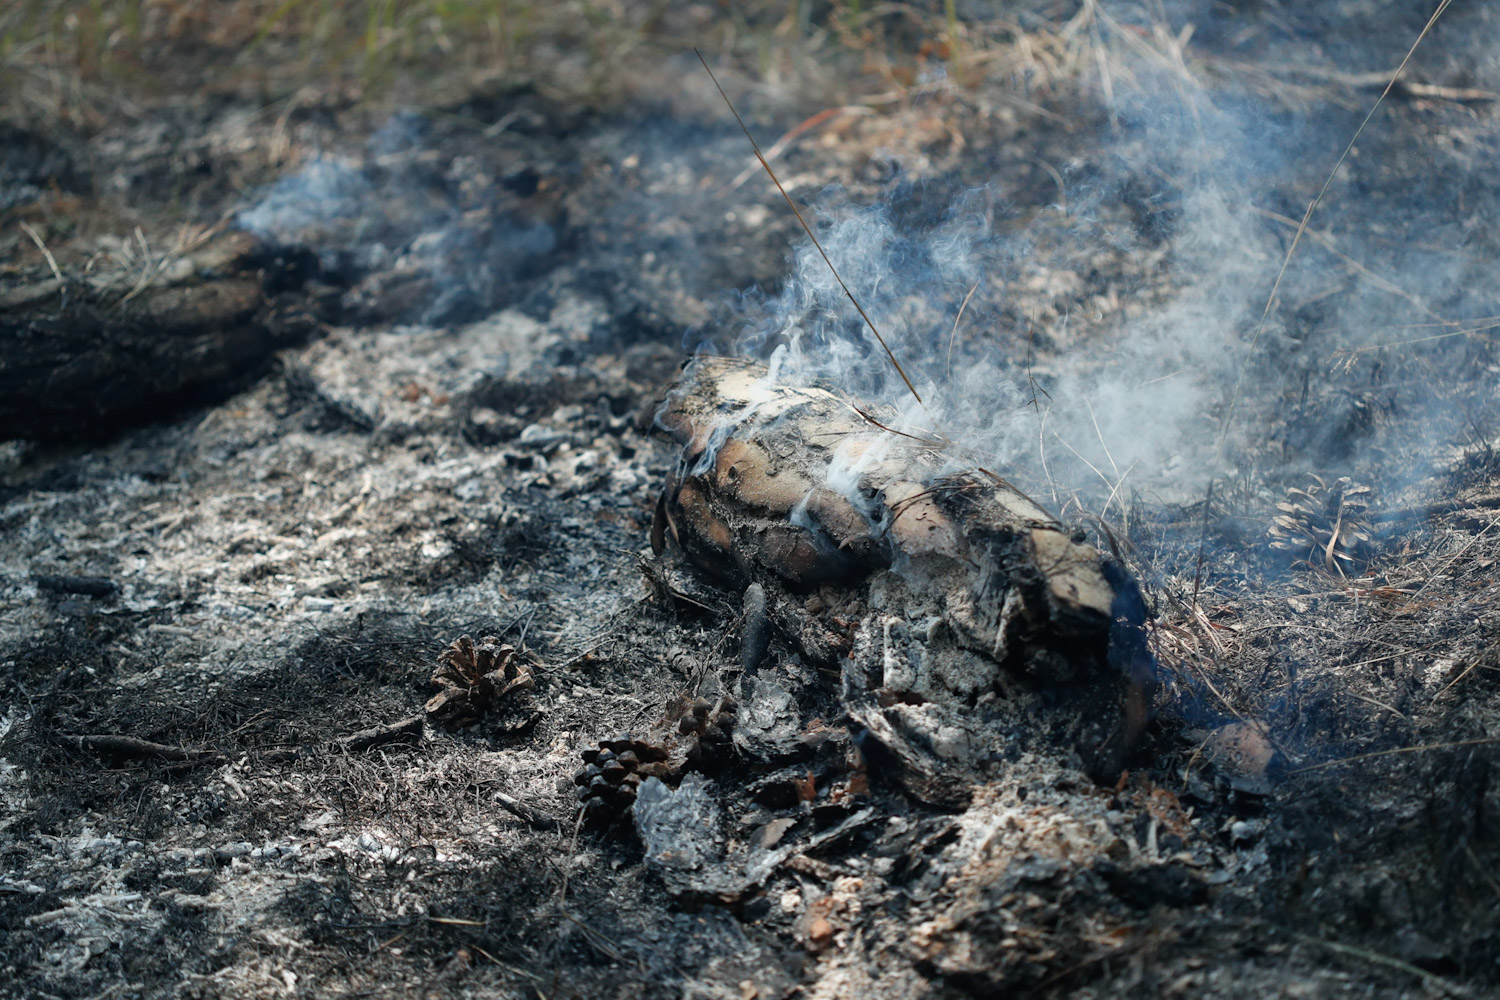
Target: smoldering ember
x=467 y=530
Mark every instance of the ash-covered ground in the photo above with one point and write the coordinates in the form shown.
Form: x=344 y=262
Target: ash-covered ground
x=1069 y=221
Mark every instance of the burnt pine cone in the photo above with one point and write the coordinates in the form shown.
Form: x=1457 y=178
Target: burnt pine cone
x=471 y=678
x=612 y=774
x=1326 y=524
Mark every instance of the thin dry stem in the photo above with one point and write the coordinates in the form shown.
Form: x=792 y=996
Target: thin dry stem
x=51 y=260
x=1457 y=744
x=953 y=334
x=808 y=230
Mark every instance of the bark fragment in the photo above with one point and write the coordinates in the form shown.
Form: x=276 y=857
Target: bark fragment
x=408 y=730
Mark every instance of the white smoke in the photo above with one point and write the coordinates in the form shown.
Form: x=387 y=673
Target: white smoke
x=1173 y=382
x=325 y=189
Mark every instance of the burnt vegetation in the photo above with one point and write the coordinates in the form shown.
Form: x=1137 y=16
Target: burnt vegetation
x=334 y=335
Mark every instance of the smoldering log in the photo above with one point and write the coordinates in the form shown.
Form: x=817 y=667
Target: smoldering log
x=799 y=487
x=752 y=496
x=94 y=333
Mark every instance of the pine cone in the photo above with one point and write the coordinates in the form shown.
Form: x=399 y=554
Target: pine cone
x=473 y=678
x=612 y=774
x=709 y=725
x=1326 y=525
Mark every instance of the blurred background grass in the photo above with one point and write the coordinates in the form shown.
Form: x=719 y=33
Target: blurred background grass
x=79 y=62
x=78 y=56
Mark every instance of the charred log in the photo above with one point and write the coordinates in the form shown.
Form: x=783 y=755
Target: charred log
x=93 y=334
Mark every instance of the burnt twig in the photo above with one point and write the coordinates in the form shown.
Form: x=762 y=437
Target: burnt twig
x=757 y=638
x=69 y=583
x=533 y=818
x=409 y=729
x=132 y=748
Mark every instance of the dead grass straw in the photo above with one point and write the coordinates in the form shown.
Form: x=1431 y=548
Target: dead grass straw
x=1395 y=751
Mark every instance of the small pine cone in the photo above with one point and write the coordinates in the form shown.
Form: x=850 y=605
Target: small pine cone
x=710 y=725
x=471 y=678
x=1326 y=525
x=612 y=774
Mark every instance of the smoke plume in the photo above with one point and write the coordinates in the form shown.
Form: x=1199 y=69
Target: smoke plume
x=1178 y=373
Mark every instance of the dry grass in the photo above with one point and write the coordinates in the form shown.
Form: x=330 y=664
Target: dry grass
x=86 y=61
x=81 y=60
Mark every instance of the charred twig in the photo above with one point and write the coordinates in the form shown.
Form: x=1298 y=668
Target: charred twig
x=531 y=817
x=948 y=487
x=68 y=583
x=757 y=636
x=408 y=729
x=133 y=748
x=926 y=441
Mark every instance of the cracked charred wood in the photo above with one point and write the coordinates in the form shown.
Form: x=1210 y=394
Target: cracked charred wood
x=757 y=637
x=134 y=748
x=93 y=333
x=969 y=584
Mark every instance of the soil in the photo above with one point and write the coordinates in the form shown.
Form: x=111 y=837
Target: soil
x=203 y=601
